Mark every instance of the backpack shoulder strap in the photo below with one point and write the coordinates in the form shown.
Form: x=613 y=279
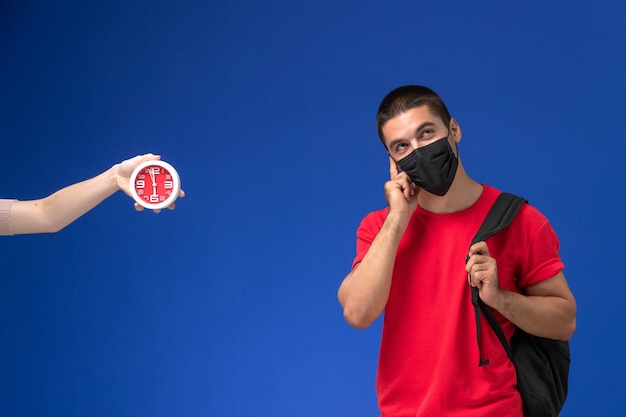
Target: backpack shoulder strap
x=499 y=216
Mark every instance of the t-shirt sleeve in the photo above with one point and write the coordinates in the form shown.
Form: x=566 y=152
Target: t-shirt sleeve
x=5 y=215
x=541 y=260
x=365 y=234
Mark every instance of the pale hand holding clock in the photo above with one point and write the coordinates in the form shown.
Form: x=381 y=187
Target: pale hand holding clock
x=52 y=213
x=127 y=167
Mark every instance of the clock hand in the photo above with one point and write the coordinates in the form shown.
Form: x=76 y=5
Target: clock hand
x=151 y=174
x=154 y=185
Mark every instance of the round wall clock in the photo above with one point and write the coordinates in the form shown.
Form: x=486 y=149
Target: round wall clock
x=154 y=184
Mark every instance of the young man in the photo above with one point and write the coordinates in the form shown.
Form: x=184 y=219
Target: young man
x=53 y=213
x=410 y=262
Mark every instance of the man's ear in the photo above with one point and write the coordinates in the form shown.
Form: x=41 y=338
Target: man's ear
x=455 y=130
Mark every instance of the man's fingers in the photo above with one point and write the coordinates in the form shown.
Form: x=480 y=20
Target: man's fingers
x=402 y=183
x=393 y=168
x=477 y=262
x=407 y=187
x=479 y=248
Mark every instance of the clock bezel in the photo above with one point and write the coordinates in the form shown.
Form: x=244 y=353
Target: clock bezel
x=175 y=188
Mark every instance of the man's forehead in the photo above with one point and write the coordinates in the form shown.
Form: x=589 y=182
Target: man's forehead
x=413 y=117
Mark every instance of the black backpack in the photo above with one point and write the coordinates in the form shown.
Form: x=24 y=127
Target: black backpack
x=542 y=364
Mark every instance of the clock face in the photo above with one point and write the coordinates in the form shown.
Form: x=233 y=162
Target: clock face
x=154 y=184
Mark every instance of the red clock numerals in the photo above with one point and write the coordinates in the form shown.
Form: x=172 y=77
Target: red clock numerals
x=154 y=184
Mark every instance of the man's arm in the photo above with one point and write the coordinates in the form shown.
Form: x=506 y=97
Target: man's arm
x=364 y=292
x=548 y=309
x=53 y=213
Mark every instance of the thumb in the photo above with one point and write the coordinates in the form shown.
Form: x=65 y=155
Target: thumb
x=479 y=248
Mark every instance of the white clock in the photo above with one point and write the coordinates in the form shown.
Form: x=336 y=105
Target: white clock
x=154 y=184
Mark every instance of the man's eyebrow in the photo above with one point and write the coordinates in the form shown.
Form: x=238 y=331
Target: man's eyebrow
x=419 y=128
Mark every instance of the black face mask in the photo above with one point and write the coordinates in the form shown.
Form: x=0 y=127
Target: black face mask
x=432 y=167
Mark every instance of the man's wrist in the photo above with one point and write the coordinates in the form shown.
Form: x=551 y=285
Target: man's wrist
x=397 y=221
x=503 y=300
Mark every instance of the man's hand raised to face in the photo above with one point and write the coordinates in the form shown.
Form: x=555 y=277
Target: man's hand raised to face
x=400 y=192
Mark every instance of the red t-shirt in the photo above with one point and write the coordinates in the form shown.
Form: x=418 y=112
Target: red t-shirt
x=428 y=362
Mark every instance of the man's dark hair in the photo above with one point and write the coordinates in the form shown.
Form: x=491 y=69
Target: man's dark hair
x=405 y=98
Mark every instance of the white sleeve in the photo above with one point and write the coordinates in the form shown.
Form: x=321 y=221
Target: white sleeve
x=5 y=217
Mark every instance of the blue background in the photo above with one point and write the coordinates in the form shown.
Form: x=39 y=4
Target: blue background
x=227 y=306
